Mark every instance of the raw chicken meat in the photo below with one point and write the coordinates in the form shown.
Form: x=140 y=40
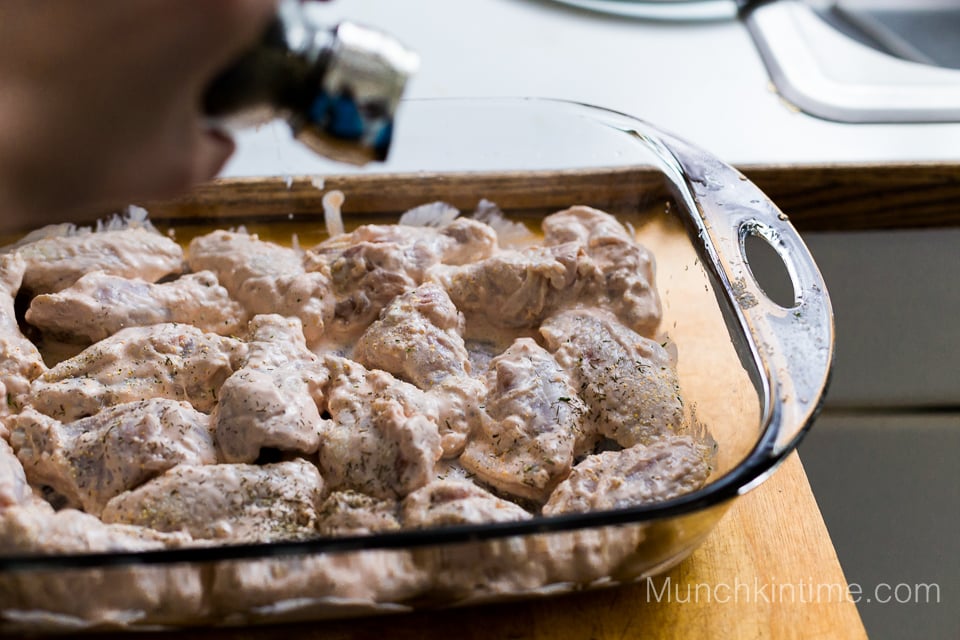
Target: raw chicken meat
x=623 y=281
x=513 y=289
x=513 y=564
x=269 y=401
x=367 y=577
x=98 y=305
x=237 y=257
x=642 y=474
x=375 y=263
x=111 y=596
x=465 y=240
x=352 y=513
x=470 y=569
x=175 y=361
x=382 y=438
x=266 y=278
x=452 y=502
x=245 y=503
x=306 y=296
x=628 y=382
x=531 y=428
x=91 y=460
x=20 y=360
x=459 y=242
x=419 y=339
x=584 y=225
x=56 y=263
x=365 y=278
x=14 y=489
x=353 y=583
x=588 y=259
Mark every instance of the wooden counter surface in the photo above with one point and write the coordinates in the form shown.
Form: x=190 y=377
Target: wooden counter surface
x=816 y=197
x=768 y=570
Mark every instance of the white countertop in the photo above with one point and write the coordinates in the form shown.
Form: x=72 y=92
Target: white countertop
x=703 y=81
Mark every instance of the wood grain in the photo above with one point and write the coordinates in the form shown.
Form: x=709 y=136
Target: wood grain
x=772 y=542
x=863 y=197
x=815 y=197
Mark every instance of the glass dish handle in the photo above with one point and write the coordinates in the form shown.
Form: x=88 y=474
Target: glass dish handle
x=793 y=345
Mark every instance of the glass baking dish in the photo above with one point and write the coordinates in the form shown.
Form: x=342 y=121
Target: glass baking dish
x=751 y=371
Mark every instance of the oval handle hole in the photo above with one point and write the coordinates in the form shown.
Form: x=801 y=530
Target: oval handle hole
x=769 y=271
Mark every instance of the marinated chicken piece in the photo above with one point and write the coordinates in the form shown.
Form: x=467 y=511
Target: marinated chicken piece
x=589 y=260
x=245 y=503
x=98 y=305
x=460 y=241
x=351 y=513
x=624 y=280
x=531 y=428
x=56 y=263
x=419 y=339
x=465 y=240
x=375 y=263
x=471 y=569
x=459 y=402
x=316 y=584
x=274 y=340
x=174 y=361
x=14 y=489
x=365 y=278
x=237 y=257
x=583 y=225
x=628 y=382
x=585 y=555
x=307 y=296
x=113 y=596
x=91 y=460
x=266 y=278
x=20 y=360
x=642 y=474
x=513 y=289
x=24 y=529
x=382 y=438
x=451 y=469
x=269 y=402
x=513 y=564
x=452 y=502
x=526 y=564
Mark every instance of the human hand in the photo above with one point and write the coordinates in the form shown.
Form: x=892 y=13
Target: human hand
x=100 y=101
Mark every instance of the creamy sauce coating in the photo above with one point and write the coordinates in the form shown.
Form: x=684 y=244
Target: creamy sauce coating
x=393 y=376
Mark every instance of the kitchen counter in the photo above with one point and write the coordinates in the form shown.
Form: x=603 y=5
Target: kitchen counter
x=704 y=81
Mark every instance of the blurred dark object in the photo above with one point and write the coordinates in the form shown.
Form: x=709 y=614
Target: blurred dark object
x=338 y=88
